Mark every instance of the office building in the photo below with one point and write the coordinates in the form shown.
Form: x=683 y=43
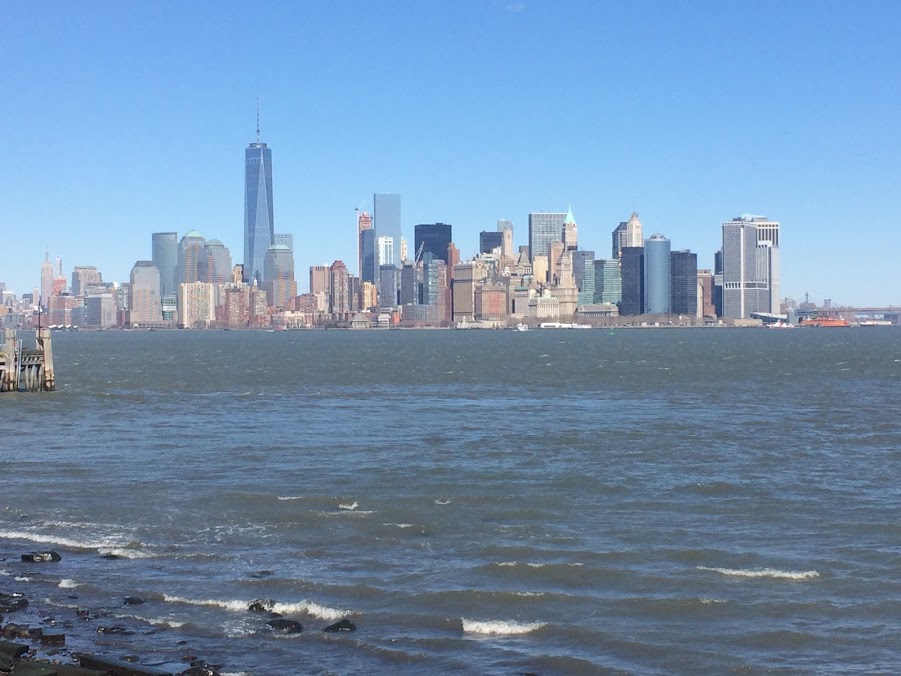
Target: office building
x=214 y=265
x=46 y=282
x=278 y=276
x=365 y=246
x=570 y=232
x=165 y=258
x=751 y=266
x=627 y=234
x=584 y=275
x=385 y=250
x=319 y=279
x=684 y=283
x=100 y=310
x=705 y=294
x=489 y=241
x=631 y=260
x=259 y=226
x=339 y=289
x=386 y=214
x=544 y=228
x=506 y=228
x=657 y=292
x=196 y=308
x=190 y=250
x=84 y=276
x=144 y=297
x=432 y=238
x=389 y=286
x=608 y=281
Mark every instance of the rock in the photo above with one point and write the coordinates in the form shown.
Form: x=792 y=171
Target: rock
x=11 y=649
x=37 y=668
x=116 y=629
x=41 y=557
x=287 y=626
x=261 y=605
x=133 y=600
x=10 y=604
x=35 y=633
x=119 y=668
x=53 y=638
x=341 y=625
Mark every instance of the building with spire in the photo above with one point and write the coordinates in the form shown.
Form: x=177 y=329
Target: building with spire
x=570 y=231
x=259 y=228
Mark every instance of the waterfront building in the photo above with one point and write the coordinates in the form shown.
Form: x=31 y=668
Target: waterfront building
x=627 y=234
x=100 y=310
x=196 y=309
x=278 y=276
x=570 y=231
x=657 y=291
x=386 y=214
x=632 y=270
x=544 y=228
x=389 y=286
x=467 y=276
x=751 y=266
x=505 y=227
x=214 y=265
x=490 y=302
x=369 y=296
x=584 y=275
x=705 y=294
x=259 y=224
x=190 y=249
x=608 y=282
x=489 y=241
x=339 y=289
x=165 y=258
x=434 y=284
x=144 y=307
x=365 y=247
x=432 y=238
x=684 y=283
x=84 y=276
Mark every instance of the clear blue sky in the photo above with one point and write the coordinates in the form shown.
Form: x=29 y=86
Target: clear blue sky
x=124 y=118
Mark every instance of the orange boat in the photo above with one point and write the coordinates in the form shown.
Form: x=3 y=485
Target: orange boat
x=824 y=321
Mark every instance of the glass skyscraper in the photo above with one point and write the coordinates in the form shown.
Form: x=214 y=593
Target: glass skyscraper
x=657 y=291
x=259 y=228
x=386 y=214
x=544 y=228
x=433 y=238
x=165 y=258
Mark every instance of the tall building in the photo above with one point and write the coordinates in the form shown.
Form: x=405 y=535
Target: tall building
x=46 y=282
x=657 y=291
x=432 y=238
x=165 y=258
x=506 y=228
x=608 y=281
x=196 y=309
x=684 y=284
x=632 y=270
x=627 y=233
x=365 y=247
x=491 y=240
x=570 y=231
x=84 y=276
x=319 y=279
x=285 y=238
x=751 y=266
x=144 y=297
x=544 y=228
x=214 y=266
x=386 y=213
x=190 y=250
x=339 y=289
x=278 y=277
x=259 y=227
x=385 y=250
x=584 y=274
x=705 y=294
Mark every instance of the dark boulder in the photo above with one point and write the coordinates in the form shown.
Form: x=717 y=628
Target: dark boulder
x=53 y=638
x=13 y=649
x=133 y=600
x=10 y=604
x=287 y=626
x=115 y=629
x=261 y=605
x=41 y=557
x=341 y=625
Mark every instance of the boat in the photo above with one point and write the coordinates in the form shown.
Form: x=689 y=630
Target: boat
x=522 y=327
x=780 y=325
x=832 y=322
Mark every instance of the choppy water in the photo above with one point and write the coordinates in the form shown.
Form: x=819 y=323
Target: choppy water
x=644 y=501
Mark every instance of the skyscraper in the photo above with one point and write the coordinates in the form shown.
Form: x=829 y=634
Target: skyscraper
x=190 y=251
x=657 y=291
x=684 y=284
x=433 y=238
x=490 y=240
x=751 y=266
x=259 y=227
x=144 y=295
x=84 y=276
x=165 y=258
x=386 y=212
x=278 y=277
x=506 y=227
x=570 y=232
x=632 y=271
x=46 y=281
x=215 y=263
x=365 y=247
x=627 y=233
x=544 y=228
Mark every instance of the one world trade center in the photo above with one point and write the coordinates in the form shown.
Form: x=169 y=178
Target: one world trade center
x=259 y=230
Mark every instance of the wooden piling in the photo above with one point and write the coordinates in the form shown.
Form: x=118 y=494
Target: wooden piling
x=27 y=370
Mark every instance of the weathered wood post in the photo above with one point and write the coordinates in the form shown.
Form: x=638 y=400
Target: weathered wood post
x=47 y=379
x=8 y=376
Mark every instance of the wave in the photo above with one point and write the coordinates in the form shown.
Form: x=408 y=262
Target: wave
x=442 y=502
x=302 y=607
x=124 y=553
x=103 y=546
x=348 y=506
x=399 y=525
x=499 y=627
x=290 y=497
x=511 y=564
x=765 y=572
x=67 y=583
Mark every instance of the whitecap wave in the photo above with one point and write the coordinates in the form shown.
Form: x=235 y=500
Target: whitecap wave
x=442 y=502
x=348 y=506
x=399 y=525
x=66 y=583
x=22 y=578
x=764 y=572
x=235 y=606
x=124 y=553
x=302 y=607
x=290 y=497
x=499 y=627
x=105 y=545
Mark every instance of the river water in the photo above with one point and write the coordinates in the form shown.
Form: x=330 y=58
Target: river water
x=635 y=501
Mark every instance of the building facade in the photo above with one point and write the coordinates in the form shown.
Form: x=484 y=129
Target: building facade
x=432 y=238
x=684 y=284
x=279 y=283
x=544 y=228
x=657 y=291
x=259 y=225
x=144 y=295
x=386 y=214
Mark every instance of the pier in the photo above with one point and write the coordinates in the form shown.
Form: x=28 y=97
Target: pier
x=23 y=370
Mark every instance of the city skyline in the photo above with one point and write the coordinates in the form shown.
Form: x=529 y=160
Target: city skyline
x=686 y=136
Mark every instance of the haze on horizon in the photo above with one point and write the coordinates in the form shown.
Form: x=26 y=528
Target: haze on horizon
x=127 y=119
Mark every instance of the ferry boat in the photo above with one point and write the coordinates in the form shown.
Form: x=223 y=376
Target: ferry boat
x=825 y=321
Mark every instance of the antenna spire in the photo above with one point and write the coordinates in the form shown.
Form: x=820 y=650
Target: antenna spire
x=258 y=119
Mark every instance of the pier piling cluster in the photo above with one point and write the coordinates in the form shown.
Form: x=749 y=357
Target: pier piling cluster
x=23 y=370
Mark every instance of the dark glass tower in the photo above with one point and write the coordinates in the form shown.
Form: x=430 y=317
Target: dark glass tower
x=632 y=267
x=259 y=229
x=433 y=238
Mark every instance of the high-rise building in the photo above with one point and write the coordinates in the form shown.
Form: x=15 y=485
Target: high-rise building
x=165 y=258
x=570 y=231
x=705 y=294
x=190 y=250
x=196 y=309
x=608 y=281
x=214 y=266
x=84 y=276
x=278 y=276
x=46 y=282
x=584 y=275
x=259 y=227
x=365 y=246
x=385 y=250
x=144 y=298
x=632 y=270
x=432 y=238
x=319 y=279
x=491 y=240
x=285 y=238
x=506 y=228
x=627 y=233
x=339 y=289
x=657 y=292
x=544 y=228
x=386 y=213
x=684 y=284
x=100 y=310
x=751 y=266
